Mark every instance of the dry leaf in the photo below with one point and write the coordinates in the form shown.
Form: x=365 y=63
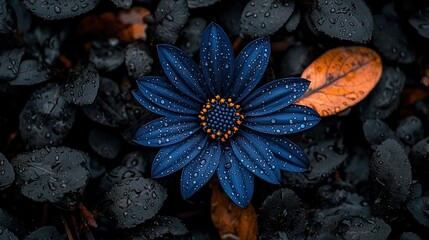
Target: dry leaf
x=341 y=78
x=232 y=221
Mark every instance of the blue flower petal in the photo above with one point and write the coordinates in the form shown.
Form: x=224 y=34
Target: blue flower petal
x=291 y=119
x=236 y=180
x=250 y=65
x=200 y=169
x=166 y=131
x=182 y=71
x=274 y=96
x=289 y=156
x=255 y=155
x=174 y=157
x=161 y=93
x=217 y=59
x=150 y=106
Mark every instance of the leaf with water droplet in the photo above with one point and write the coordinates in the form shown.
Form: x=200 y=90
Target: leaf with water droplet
x=48 y=174
x=107 y=55
x=190 y=37
x=292 y=22
x=107 y=108
x=82 y=85
x=419 y=208
x=31 y=72
x=159 y=227
x=47 y=118
x=376 y=131
x=133 y=201
x=420 y=22
x=283 y=211
x=45 y=232
x=385 y=97
x=7 y=175
x=122 y=3
x=138 y=61
x=340 y=78
x=410 y=130
x=264 y=17
x=54 y=9
x=391 y=41
x=9 y=63
x=6 y=21
x=358 y=227
x=347 y=20
x=6 y=234
x=200 y=3
x=390 y=178
x=171 y=16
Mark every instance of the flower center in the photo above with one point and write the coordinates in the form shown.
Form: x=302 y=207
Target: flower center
x=220 y=118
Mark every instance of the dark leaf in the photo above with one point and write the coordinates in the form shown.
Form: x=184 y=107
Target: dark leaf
x=419 y=208
x=23 y=16
x=137 y=160
x=159 y=227
x=384 y=98
x=391 y=41
x=201 y=3
x=171 y=16
x=54 y=9
x=390 y=177
x=6 y=22
x=122 y=3
x=419 y=158
x=283 y=211
x=325 y=156
x=133 y=201
x=295 y=60
x=6 y=234
x=117 y=175
x=7 y=175
x=230 y=16
x=264 y=17
x=82 y=85
x=410 y=130
x=107 y=109
x=356 y=169
x=45 y=233
x=9 y=63
x=420 y=21
x=48 y=174
x=346 y=20
x=46 y=118
x=104 y=143
x=292 y=23
x=409 y=236
x=138 y=61
x=190 y=36
x=30 y=72
x=376 y=131
x=363 y=228
x=107 y=55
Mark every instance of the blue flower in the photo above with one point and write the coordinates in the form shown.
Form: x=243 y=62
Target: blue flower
x=215 y=121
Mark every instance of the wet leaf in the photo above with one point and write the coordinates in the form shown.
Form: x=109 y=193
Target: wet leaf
x=48 y=174
x=385 y=97
x=420 y=21
x=54 y=9
x=335 y=76
x=30 y=72
x=295 y=60
x=138 y=61
x=46 y=118
x=376 y=131
x=122 y=3
x=363 y=228
x=6 y=234
x=82 y=85
x=107 y=109
x=171 y=16
x=264 y=17
x=190 y=36
x=159 y=227
x=292 y=22
x=6 y=22
x=133 y=201
x=7 y=175
x=419 y=208
x=230 y=219
x=409 y=236
x=117 y=175
x=282 y=211
x=410 y=130
x=347 y=20
x=419 y=159
x=325 y=157
x=391 y=41
x=107 y=55
x=45 y=233
x=104 y=143
x=390 y=177
x=9 y=63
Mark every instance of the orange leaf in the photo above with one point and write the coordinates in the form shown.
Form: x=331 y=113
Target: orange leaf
x=232 y=221
x=341 y=78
